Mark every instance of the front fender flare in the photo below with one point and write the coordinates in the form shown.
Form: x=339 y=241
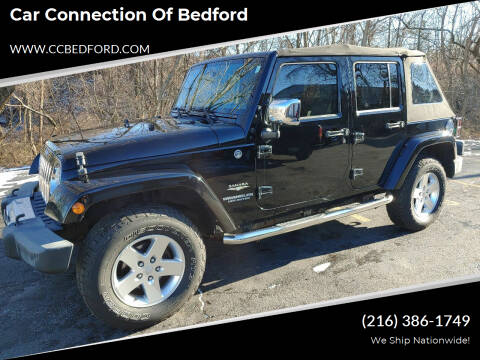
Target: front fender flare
x=97 y=190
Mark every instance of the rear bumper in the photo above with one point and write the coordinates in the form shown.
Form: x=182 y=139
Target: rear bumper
x=458 y=164
x=460 y=146
x=459 y=159
x=31 y=238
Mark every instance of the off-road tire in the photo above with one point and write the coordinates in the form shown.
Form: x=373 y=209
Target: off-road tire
x=102 y=246
x=401 y=210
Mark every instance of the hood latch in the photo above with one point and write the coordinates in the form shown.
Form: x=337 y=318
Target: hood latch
x=81 y=163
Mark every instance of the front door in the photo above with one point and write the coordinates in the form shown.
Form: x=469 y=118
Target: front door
x=310 y=161
x=379 y=119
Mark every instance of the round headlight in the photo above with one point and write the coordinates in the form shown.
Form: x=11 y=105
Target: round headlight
x=450 y=127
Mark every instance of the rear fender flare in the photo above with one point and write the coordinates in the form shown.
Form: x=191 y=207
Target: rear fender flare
x=409 y=153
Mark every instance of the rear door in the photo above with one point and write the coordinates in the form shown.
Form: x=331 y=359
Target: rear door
x=379 y=118
x=309 y=162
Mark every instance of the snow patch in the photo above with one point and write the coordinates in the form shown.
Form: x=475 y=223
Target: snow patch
x=322 y=267
x=11 y=178
x=471 y=147
x=14 y=169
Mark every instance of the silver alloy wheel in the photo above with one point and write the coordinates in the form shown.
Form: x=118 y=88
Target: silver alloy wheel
x=425 y=195
x=148 y=270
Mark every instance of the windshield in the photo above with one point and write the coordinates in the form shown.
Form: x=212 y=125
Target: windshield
x=221 y=86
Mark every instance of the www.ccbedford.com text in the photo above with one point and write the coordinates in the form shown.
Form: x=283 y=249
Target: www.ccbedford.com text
x=420 y=340
x=121 y=14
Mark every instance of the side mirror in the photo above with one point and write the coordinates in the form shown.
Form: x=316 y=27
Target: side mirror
x=284 y=111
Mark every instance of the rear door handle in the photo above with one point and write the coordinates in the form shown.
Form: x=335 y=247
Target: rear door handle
x=335 y=133
x=395 y=125
x=358 y=137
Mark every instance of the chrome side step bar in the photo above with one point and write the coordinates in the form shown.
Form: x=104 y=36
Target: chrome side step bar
x=282 y=228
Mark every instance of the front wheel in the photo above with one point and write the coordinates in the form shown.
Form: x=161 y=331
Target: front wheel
x=139 y=267
x=419 y=202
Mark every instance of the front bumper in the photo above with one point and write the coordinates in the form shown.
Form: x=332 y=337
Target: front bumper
x=29 y=234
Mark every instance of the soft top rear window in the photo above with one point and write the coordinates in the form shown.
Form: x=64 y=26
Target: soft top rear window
x=424 y=88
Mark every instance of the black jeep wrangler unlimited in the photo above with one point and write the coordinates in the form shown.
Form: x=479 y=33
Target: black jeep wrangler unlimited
x=256 y=145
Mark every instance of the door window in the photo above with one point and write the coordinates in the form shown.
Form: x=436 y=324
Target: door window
x=376 y=86
x=315 y=84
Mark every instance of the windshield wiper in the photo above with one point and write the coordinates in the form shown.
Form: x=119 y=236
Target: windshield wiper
x=182 y=111
x=209 y=115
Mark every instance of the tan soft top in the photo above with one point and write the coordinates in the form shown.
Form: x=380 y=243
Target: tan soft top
x=350 y=50
x=415 y=112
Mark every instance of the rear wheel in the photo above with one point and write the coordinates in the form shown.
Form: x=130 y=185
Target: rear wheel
x=139 y=267
x=419 y=202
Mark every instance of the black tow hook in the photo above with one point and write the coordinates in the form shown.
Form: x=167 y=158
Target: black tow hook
x=18 y=217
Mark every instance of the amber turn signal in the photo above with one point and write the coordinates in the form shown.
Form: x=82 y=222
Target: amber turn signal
x=78 y=208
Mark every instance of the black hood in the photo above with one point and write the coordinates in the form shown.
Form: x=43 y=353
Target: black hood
x=139 y=140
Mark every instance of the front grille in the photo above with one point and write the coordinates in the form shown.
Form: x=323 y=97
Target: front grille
x=45 y=172
x=38 y=206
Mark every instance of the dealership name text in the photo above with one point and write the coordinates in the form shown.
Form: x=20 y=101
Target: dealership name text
x=121 y=14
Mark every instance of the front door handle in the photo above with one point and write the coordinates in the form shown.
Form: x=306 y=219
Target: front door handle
x=335 y=133
x=395 y=125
